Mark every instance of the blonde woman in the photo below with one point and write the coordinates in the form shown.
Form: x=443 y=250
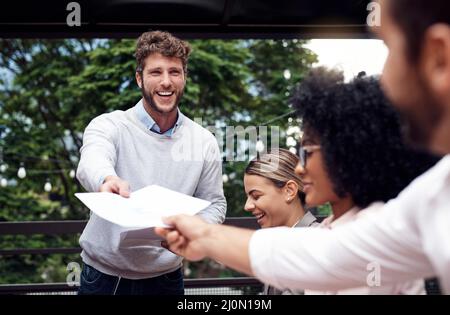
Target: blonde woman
x=275 y=197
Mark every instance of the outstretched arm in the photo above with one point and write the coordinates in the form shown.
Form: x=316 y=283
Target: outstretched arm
x=379 y=249
x=195 y=239
x=98 y=154
x=98 y=158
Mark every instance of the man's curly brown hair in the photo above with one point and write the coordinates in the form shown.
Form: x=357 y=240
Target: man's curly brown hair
x=161 y=42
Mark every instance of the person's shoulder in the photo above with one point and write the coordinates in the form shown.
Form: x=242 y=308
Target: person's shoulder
x=374 y=207
x=440 y=171
x=114 y=115
x=110 y=117
x=108 y=123
x=111 y=120
x=198 y=129
x=432 y=181
x=429 y=191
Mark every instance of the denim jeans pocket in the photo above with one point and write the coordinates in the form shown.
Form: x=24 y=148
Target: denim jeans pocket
x=93 y=281
x=172 y=283
x=90 y=275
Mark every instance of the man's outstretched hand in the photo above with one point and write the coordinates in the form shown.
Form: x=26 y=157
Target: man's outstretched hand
x=186 y=236
x=116 y=185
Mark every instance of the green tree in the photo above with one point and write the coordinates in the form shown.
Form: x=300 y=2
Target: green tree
x=275 y=69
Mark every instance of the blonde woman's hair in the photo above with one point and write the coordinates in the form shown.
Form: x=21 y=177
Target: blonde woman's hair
x=278 y=166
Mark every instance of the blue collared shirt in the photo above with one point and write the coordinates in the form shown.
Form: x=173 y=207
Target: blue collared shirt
x=151 y=124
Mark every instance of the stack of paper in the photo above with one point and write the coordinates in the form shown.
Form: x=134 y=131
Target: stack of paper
x=143 y=210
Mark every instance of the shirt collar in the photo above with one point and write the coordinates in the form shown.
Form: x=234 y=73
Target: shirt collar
x=150 y=123
x=307 y=219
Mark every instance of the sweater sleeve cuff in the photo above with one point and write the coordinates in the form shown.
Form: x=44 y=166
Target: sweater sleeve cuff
x=101 y=175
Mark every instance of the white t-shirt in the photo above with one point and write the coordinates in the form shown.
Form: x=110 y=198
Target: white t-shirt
x=409 y=238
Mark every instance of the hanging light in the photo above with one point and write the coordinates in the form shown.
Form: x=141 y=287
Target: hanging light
x=72 y=173
x=3 y=167
x=290 y=142
x=48 y=186
x=287 y=74
x=21 y=173
x=4 y=182
x=259 y=146
x=225 y=178
x=290 y=131
x=293 y=150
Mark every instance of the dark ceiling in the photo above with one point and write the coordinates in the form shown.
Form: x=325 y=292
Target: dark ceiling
x=187 y=18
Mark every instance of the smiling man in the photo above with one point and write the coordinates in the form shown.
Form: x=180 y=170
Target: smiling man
x=124 y=151
x=409 y=236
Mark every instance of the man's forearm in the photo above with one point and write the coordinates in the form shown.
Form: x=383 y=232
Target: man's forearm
x=98 y=154
x=215 y=213
x=91 y=175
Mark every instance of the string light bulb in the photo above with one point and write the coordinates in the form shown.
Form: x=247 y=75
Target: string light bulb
x=4 y=182
x=293 y=150
x=72 y=173
x=287 y=74
x=21 y=173
x=259 y=146
x=48 y=186
x=290 y=141
x=225 y=178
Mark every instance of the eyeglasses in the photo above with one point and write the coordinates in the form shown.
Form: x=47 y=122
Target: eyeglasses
x=304 y=151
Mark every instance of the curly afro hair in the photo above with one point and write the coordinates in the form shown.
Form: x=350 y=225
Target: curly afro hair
x=360 y=135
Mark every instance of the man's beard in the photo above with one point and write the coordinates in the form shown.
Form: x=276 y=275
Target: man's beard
x=149 y=98
x=420 y=118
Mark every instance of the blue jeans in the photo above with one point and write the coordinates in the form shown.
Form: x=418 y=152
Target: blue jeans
x=93 y=282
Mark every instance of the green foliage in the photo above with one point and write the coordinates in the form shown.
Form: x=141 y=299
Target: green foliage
x=324 y=210
x=270 y=92
x=51 y=89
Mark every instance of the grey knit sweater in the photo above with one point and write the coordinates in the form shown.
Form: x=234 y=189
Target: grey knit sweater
x=189 y=162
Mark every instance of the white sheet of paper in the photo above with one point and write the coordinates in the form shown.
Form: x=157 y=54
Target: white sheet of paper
x=144 y=208
x=139 y=237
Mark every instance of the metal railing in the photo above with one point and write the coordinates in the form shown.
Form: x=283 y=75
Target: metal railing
x=77 y=226
x=73 y=227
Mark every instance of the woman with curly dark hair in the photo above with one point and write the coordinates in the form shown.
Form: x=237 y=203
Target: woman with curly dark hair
x=352 y=154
